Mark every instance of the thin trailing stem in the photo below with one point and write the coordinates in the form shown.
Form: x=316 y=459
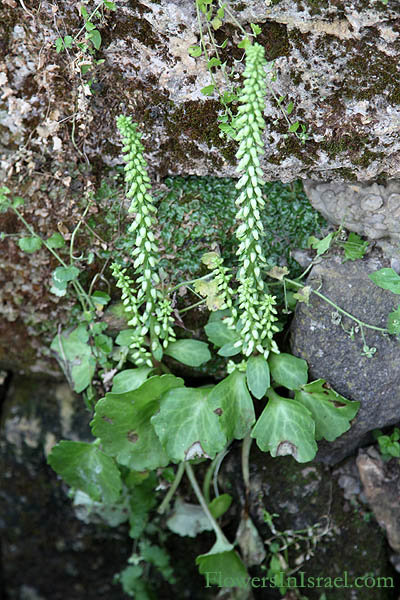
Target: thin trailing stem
x=82 y=295
x=178 y=478
x=341 y=310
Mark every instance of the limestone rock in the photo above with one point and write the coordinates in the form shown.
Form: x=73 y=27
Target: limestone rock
x=381 y=483
x=331 y=354
x=372 y=210
x=337 y=62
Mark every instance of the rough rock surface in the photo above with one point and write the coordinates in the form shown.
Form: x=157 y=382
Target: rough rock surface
x=372 y=210
x=331 y=354
x=329 y=530
x=47 y=552
x=381 y=483
x=337 y=61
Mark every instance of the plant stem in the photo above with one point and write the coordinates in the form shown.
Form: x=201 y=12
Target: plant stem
x=192 y=306
x=183 y=283
x=246 y=445
x=92 y=14
x=77 y=286
x=178 y=477
x=217 y=529
x=344 y=312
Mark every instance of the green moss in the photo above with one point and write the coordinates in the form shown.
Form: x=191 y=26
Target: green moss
x=274 y=38
x=199 y=123
x=199 y=212
x=371 y=72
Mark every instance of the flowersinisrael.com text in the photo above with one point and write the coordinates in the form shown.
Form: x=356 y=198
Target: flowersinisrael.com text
x=300 y=581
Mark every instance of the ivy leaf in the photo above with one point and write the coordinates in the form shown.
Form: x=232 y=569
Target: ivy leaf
x=209 y=289
x=222 y=566
x=64 y=274
x=208 y=90
x=187 y=426
x=85 y=467
x=286 y=427
x=231 y=401
x=30 y=244
x=393 y=321
x=75 y=357
x=122 y=422
x=220 y=334
x=55 y=241
x=195 y=51
x=95 y=37
x=288 y=370
x=354 y=247
x=386 y=279
x=331 y=412
x=258 y=376
x=189 y=352
x=278 y=272
x=321 y=246
x=129 y=380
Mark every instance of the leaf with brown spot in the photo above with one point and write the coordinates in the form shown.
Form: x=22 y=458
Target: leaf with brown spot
x=127 y=432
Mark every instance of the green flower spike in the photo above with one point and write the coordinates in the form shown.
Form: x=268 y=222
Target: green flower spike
x=255 y=309
x=156 y=319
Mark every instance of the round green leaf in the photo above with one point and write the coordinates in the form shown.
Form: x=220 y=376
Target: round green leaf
x=129 y=380
x=257 y=375
x=55 y=241
x=288 y=370
x=62 y=274
x=189 y=352
x=30 y=244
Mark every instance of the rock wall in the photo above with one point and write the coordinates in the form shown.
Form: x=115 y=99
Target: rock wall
x=337 y=61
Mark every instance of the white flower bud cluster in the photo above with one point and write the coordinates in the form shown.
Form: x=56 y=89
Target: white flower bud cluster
x=221 y=276
x=163 y=328
x=156 y=316
x=255 y=309
x=137 y=346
